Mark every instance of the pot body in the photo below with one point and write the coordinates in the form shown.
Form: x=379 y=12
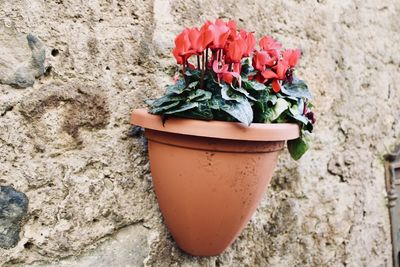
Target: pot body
x=209 y=177
x=209 y=188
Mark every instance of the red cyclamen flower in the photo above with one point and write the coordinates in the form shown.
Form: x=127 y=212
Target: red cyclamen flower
x=182 y=48
x=250 y=42
x=269 y=74
x=269 y=43
x=233 y=29
x=291 y=56
x=261 y=60
x=235 y=50
x=226 y=75
x=273 y=65
x=200 y=39
x=220 y=33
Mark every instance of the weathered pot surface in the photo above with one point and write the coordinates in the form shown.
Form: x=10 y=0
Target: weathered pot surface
x=209 y=176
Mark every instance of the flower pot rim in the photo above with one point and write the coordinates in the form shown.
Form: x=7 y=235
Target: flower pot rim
x=217 y=129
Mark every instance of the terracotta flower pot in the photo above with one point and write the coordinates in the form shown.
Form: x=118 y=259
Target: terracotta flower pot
x=209 y=176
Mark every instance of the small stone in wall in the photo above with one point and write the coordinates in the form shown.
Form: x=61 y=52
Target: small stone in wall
x=13 y=207
x=22 y=59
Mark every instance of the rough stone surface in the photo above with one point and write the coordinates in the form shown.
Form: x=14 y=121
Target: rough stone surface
x=66 y=141
x=128 y=247
x=13 y=207
x=22 y=57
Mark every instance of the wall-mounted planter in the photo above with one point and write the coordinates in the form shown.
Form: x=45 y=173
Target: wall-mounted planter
x=209 y=176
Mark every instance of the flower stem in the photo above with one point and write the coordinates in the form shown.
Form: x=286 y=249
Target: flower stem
x=206 y=57
x=198 y=62
x=202 y=71
x=184 y=73
x=214 y=55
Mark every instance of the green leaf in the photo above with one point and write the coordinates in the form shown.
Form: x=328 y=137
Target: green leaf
x=176 y=88
x=248 y=85
x=201 y=112
x=300 y=104
x=309 y=127
x=292 y=98
x=296 y=89
x=280 y=106
x=239 y=110
x=259 y=86
x=283 y=118
x=247 y=68
x=296 y=114
x=182 y=108
x=211 y=86
x=297 y=147
x=244 y=92
x=300 y=118
x=193 y=84
x=195 y=73
x=149 y=101
x=229 y=94
x=199 y=95
x=262 y=113
x=271 y=99
x=166 y=99
x=161 y=109
x=215 y=103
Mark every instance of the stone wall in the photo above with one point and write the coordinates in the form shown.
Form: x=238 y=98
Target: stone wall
x=70 y=73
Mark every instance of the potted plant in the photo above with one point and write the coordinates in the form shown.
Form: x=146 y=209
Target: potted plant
x=214 y=137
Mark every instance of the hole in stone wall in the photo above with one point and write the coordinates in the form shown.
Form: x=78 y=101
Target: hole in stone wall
x=28 y=245
x=218 y=263
x=55 y=52
x=48 y=71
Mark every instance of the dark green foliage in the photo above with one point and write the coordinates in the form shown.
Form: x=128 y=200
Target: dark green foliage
x=252 y=102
